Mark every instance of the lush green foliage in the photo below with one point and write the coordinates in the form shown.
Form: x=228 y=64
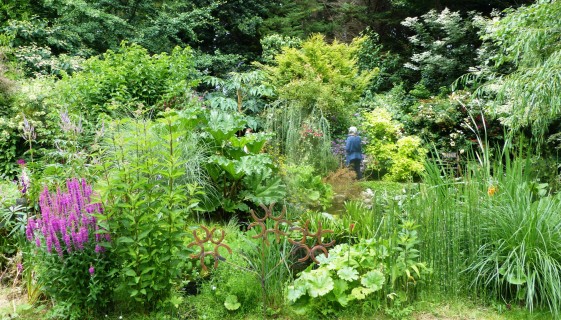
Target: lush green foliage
x=40 y=49
x=148 y=200
x=8 y=139
x=371 y=55
x=13 y=218
x=122 y=81
x=230 y=290
x=308 y=77
x=8 y=193
x=307 y=188
x=238 y=170
x=389 y=150
x=302 y=138
x=273 y=44
x=241 y=92
x=383 y=133
x=526 y=44
x=270 y=260
x=501 y=219
x=354 y=272
x=443 y=122
x=168 y=161
x=75 y=26
x=6 y=87
x=106 y=87
x=25 y=126
x=298 y=19
x=407 y=161
x=518 y=257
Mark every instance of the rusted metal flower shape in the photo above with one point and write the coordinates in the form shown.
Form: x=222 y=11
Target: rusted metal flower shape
x=318 y=243
x=279 y=220
x=209 y=238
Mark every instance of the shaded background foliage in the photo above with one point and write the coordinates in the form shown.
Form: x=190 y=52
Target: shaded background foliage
x=42 y=38
x=91 y=27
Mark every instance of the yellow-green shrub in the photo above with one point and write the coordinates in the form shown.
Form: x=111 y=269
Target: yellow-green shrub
x=391 y=152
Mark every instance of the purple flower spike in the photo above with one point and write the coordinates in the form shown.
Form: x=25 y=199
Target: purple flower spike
x=91 y=270
x=66 y=223
x=30 y=229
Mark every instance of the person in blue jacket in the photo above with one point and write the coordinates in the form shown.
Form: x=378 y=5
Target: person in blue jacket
x=354 y=151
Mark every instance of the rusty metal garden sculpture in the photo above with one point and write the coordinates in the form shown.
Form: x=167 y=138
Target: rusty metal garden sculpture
x=261 y=222
x=310 y=252
x=318 y=245
x=209 y=238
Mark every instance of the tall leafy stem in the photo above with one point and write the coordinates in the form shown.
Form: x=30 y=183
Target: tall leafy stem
x=148 y=205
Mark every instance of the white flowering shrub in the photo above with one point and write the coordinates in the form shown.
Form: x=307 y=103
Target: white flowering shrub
x=443 y=46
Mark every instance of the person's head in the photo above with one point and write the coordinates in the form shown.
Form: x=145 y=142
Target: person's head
x=352 y=130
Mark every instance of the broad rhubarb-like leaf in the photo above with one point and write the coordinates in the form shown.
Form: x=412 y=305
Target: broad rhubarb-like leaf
x=373 y=280
x=348 y=274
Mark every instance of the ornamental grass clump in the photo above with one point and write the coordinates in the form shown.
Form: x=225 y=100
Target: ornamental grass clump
x=494 y=232
x=69 y=257
x=519 y=258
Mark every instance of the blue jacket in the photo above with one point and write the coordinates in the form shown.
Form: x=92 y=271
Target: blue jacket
x=353 y=148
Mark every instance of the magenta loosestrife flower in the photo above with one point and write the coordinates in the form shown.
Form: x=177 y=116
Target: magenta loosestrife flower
x=91 y=270
x=67 y=222
x=31 y=226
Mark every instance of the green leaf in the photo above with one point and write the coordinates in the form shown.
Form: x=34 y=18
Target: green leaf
x=176 y=300
x=232 y=303
x=125 y=240
x=258 y=164
x=516 y=278
x=360 y=293
x=264 y=191
x=348 y=274
x=339 y=292
x=319 y=282
x=373 y=280
x=225 y=104
x=223 y=125
x=325 y=260
x=256 y=142
x=313 y=195
x=228 y=165
x=144 y=234
x=295 y=292
x=130 y=273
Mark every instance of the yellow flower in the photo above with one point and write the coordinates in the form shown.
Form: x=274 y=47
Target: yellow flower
x=491 y=190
